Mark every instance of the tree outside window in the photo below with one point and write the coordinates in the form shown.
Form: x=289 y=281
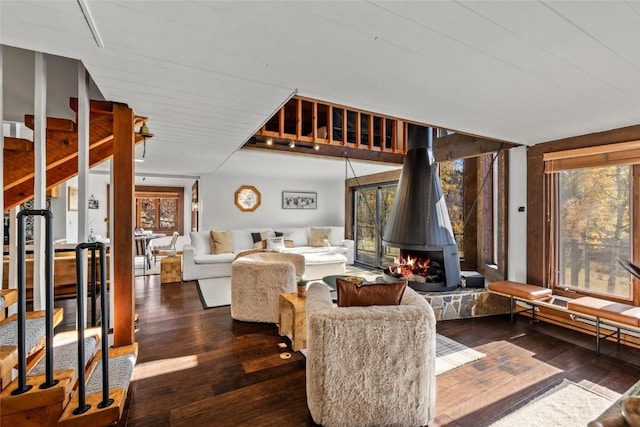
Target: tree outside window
x=451 y=181
x=594 y=229
x=160 y=209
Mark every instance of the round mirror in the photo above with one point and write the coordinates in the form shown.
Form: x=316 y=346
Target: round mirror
x=247 y=198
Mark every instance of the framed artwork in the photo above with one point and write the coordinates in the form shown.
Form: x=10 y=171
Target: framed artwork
x=72 y=198
x=94 y=203
x=247 y=198
x=299 y=200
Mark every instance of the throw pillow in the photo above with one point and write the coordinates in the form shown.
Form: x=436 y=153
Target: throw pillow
x=365 y=294
x=260 y=239
x=288 y=243
x=319 y=237
x=275 y=243
x=260 y=244
x=221 y=242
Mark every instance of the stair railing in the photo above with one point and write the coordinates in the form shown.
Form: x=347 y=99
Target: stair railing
x=22 y=300
x=104 y=308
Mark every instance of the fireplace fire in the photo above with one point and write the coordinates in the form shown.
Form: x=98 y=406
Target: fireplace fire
x=422 y=270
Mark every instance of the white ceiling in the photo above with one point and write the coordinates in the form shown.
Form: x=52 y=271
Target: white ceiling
x=209 y=73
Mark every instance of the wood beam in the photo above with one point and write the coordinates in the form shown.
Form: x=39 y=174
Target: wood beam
x=461 y=146
x=123 y=225
x=17 y=144
x=326 y=150
x=53 y=123
x=103 y=107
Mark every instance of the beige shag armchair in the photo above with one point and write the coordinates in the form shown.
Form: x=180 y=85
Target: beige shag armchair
x=258 y=279
x=370 y=366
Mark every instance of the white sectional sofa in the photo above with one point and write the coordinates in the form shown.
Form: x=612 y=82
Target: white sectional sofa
x=200 y=263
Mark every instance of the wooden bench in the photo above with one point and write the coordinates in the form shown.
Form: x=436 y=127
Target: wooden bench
x=519 y=291
x=618 y=315
x=602 y=312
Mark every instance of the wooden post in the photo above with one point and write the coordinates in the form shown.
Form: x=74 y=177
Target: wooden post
x=1 y=158
x=123 y=225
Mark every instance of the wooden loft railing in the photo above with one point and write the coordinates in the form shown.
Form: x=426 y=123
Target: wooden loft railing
x=333 y=130
x=308 y=120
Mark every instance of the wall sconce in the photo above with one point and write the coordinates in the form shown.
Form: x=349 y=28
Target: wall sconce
x=292 y=144
x=316 y=146
x=269 y=142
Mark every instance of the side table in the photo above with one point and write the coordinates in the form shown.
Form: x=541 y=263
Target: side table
x=170 y=269
x=293 y=319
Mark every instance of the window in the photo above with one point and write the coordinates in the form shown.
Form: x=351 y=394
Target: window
x=594 y=229
x=451 y=180
x=372 y=210
x=160 y=209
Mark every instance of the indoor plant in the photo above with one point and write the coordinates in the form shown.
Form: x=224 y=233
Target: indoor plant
x=302 y=288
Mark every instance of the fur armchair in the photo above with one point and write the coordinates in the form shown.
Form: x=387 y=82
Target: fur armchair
x=258 y=279
x=370 y=366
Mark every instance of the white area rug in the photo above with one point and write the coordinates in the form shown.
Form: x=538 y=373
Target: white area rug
x=451 y=354
x=215 y=292
x=565 y=405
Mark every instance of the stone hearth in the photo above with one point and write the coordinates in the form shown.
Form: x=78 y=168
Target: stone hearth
x=465 y=303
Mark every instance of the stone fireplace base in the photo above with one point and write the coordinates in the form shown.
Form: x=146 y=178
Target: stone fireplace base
x=465 y=303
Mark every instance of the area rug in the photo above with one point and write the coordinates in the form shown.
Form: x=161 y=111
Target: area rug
x=567 y=404
x=451 y=354
x=215 y=292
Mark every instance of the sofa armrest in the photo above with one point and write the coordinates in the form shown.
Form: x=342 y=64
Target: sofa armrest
x=189 y=254
x=351 y=252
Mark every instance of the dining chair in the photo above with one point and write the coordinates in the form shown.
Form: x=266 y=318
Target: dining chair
x=169 y=248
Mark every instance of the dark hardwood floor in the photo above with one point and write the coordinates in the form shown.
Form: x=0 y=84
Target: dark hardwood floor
x=199 y=367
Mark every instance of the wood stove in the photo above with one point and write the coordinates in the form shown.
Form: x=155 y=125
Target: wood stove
x=419 y=223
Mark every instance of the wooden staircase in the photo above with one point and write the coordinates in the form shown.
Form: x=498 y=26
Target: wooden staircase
x=62 y=151
x=55 y=405
x=61 y=378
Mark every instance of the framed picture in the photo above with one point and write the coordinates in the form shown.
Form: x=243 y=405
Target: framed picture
x=94 y=203
x=72 y=198
x=299 y=200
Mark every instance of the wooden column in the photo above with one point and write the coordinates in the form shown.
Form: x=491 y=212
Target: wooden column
x=123 y=225
x=1 y=156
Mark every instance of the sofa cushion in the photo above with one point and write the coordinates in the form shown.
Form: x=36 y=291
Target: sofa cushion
x=336 y=238
x=222 y=242
x=201 y=242
x=319 y=237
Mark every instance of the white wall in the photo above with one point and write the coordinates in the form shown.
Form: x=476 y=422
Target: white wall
x=220 y=212
x=66 y=221
x=517 y=199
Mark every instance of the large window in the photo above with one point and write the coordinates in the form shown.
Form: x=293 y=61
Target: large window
x=160 y=209
x=594 y=229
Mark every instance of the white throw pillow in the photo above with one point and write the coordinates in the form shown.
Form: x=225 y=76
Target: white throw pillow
x=275 y=243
